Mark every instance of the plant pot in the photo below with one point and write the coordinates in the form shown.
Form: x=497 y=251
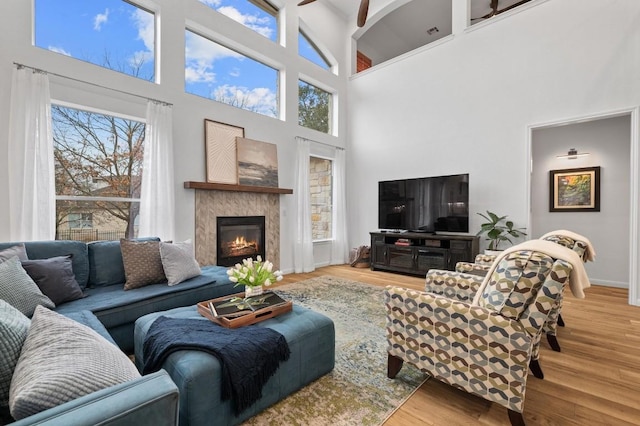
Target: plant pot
x=252 y=291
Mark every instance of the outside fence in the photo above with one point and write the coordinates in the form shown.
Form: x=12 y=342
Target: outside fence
x=89 y=235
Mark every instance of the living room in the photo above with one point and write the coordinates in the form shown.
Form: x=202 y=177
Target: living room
x=475 y=102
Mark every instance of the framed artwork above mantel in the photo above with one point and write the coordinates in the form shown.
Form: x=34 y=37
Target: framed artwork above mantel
x=574 y=190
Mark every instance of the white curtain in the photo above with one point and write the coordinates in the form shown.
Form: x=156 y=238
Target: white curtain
x=303 y=243
x=32 y=193
x=339 y=246
x=157 y=207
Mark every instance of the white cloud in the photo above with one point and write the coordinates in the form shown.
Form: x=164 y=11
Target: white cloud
x=251 y=21
x=260 y=99
x=100 y=19
x=211 y=3
x=200 y=56
x=145 y=23
x=235 y=72
x=58 y=50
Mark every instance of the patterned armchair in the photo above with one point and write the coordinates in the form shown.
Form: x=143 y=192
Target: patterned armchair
x=575 y=242
x=480 y=340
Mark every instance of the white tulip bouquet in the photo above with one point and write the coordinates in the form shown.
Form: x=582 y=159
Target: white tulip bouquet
x=254 y=273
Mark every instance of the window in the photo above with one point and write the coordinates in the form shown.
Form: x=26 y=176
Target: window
x=98 y=170
x=216 y=72
x=258 y=15
x=80 y=220
x=113 y=34
x=307 y=49
x=321 y=187
x=314 y=105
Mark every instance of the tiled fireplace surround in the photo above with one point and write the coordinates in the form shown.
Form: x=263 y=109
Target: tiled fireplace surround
x=213 y=203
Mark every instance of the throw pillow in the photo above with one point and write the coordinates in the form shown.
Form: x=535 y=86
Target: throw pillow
x=55 y=278
x=19 y=290
x=14 y=327
x=17 y=250
x=179 y=262
x=142 y=263
x=62 y=360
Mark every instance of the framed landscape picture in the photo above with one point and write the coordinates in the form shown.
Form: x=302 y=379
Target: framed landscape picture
x=257 y=163
x=220 y=151
x=574 y=190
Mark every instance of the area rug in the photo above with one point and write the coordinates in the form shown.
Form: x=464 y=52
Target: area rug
x=357 y=391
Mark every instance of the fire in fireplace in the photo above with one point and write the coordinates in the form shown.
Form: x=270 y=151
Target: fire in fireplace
x=239 y=237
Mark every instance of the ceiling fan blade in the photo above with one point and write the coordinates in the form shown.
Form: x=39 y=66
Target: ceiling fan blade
x=362 y=12
x=303 y=2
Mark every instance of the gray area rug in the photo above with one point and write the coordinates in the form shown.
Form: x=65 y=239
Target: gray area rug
x=357 y=391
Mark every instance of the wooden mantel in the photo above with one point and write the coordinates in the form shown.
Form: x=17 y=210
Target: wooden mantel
x=237 y=188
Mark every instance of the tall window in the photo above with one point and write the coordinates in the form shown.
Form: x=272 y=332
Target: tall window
x=314 y=107
x=216 y=72
x=98 y=170
x=307 y=49
x=321 y=187
x=258 y=15
x=114 y=34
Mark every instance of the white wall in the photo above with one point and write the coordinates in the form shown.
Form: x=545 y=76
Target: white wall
x=463 y=106
x=608 y=142
x=189 y=111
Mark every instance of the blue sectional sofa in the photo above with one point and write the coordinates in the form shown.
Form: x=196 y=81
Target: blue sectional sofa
x=99 y=270
x=112 y=311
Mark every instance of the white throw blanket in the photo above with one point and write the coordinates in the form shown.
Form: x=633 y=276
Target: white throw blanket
x=578 y=280
x=590 y=252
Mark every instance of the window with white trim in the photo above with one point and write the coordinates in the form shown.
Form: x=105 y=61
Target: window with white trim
x=257 y=15
x=314 y=107
x=308 y=49
x=113 y=34
x=321 y=189
x=98 y=171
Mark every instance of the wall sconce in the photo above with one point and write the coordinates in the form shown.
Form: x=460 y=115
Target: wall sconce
x=572 y=154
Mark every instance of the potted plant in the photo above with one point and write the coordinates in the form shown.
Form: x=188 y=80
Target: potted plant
x=497 y=230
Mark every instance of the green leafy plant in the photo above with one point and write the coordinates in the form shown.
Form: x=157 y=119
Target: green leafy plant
x=498 y=229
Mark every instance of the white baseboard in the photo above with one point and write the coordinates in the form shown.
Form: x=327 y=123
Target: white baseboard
x=607 y=283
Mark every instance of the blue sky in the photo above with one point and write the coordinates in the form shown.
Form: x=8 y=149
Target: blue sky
x=101 y=31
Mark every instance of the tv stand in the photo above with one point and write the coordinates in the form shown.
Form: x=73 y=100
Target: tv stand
x=416 y=252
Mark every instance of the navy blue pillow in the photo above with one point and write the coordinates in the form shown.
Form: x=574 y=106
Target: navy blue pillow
x=55 y=278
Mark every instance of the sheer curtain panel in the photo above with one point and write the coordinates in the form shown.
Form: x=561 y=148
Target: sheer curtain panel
x=157 y=207
x=32 y=193
x=303 y=242
x=339 y=246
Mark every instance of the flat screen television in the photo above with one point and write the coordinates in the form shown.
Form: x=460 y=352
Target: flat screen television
x=428 y=204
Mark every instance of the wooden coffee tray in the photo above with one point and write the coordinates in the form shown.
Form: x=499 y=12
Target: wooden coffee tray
x=245 y=317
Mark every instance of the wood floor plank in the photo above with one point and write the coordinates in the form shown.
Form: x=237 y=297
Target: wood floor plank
x=595 y=380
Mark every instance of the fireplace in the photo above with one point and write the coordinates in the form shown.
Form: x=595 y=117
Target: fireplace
x=239 y=237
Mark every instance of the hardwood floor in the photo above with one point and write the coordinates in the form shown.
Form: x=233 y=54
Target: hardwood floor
x=595 y=380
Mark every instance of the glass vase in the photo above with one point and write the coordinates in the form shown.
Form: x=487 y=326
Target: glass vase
x=252 y=290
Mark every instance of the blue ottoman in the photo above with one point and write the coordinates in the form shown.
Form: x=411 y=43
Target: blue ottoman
x=311 y=338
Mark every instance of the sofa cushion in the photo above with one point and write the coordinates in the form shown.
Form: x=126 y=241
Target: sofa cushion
x=142 y=263
x=62 y=360
x=55 y=278
x=14 y=327
x=178 y=261
x=105 y=261
x=19 y=290
x=53 y=248
x=17 y=250
x=515 y=283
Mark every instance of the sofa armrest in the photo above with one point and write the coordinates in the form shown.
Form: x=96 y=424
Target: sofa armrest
x=454 y=285
x=149 y=400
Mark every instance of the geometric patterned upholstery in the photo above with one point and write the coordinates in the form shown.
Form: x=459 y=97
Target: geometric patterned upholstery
x=484 y=350
x=579 y=247
x=515 y=282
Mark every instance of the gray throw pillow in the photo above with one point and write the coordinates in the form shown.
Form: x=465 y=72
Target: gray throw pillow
x=14 y=327
x=62 y=360
x=17 y=250
x=142 y=263
x=19 y=290
x=178 y=261
x=55 y=278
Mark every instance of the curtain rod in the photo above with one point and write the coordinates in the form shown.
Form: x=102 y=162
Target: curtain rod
x=322 y=143
x=18 y=65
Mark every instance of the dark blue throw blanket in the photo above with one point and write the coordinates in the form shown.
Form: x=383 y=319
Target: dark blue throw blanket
x=248 y=356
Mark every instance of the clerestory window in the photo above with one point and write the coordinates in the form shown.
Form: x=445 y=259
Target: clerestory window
x=216 y=72
x=307 y=49
x=113 y=34
x=258 y=15
x=314 y=107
